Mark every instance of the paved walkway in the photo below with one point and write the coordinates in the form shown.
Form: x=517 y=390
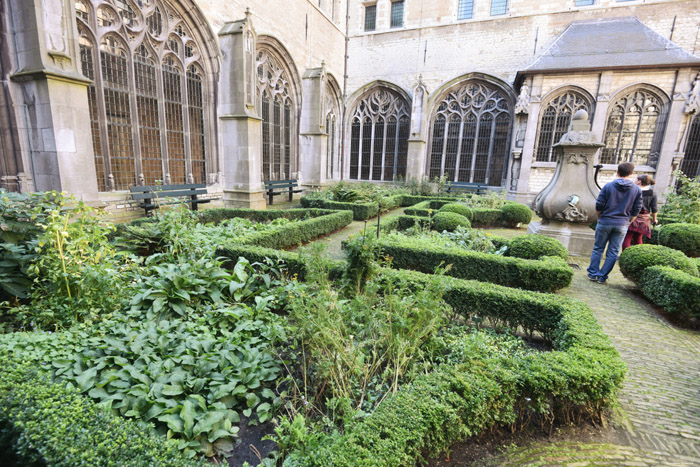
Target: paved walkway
x=658 y=421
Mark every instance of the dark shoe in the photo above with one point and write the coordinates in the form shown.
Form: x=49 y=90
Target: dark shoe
x=592 y=278
x=602 y=281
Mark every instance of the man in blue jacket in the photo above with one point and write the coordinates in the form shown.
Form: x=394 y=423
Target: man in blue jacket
x=617 y=206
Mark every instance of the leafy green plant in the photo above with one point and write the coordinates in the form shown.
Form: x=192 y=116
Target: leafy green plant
x=188 y=379
x=361 y=251
x=472 y=239
x=676 y=291
x=683 y=200
x=515 y=214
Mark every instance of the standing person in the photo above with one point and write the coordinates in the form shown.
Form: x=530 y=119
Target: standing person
x=641 y=227
x=617 y=206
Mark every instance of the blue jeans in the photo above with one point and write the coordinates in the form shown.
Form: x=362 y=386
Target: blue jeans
x=612 y=236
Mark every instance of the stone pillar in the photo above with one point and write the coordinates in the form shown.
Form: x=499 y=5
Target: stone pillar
x=602 y=104
x=528 y=154
x=674 y=120
x=240 y=125
x=416 y=158
x=314 y=139
x=52 y=96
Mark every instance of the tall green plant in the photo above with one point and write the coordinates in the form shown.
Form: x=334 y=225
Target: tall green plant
x=683 y=200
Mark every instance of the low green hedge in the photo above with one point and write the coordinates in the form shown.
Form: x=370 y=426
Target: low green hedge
x=301 y=231
x=426 y=208
x=458 y=208
x=635 y=259
x=683 y=237
x=675 y=291
x=481 y=217
x=536 y=246
x=360 y=211
x=582 y=375
x=547 y=274
x=449 y=221
x=44 y=423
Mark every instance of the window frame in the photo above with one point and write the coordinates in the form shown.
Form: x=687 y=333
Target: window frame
x=506 y=7
x=461 y=5
x=589 y=106
x=394 y=4
x=367 y=8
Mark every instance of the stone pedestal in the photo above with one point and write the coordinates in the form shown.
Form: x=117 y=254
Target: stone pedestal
x=577 y=238
x=567 y=204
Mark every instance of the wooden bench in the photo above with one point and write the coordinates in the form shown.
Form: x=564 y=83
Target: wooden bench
x=478 y=188
x=281 y=187
x=155 y=196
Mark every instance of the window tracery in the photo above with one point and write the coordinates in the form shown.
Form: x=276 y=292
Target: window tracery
x=379 y=136
x=555 y=120
x=690 y=165
x=278 y=111
x=471 y=135
x=634 y=129
x=147 y=101
x=332 y=115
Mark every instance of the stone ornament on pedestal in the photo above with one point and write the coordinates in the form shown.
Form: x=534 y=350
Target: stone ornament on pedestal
x=567 y=204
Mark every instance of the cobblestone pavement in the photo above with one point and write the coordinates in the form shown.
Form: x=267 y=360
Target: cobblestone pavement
x=658 y=421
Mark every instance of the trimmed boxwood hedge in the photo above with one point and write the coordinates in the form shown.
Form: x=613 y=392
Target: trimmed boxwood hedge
x=514 y=214
x=310 y=224
x=45 y=423
x=675 y=291
x=582 y=375
x=534 y=246
x=481 y=217
x=546 y=274
x=458 y=208
x=635 y=259
x=449 y=221
x=360 y=211
x=683 y=237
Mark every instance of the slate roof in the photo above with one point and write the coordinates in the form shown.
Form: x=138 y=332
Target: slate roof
x=608 y=44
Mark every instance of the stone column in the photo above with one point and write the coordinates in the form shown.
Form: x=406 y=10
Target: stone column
x=314 y=139
x=54 y=123
x=523 y=190
x=674 y=119
x=240 y=125
x=416 y=159
x=602 y=104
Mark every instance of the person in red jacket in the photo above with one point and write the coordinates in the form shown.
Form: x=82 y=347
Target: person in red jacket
x=618 y=204
x=641 y=227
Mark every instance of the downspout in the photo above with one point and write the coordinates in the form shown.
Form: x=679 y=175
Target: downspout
x=345 y=89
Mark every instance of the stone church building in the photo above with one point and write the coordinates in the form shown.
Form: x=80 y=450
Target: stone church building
x=101 y=95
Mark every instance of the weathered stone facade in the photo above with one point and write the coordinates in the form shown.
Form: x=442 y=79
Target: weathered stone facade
x=281 y=98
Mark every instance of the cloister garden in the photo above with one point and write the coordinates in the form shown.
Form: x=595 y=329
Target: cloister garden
x=319 y=333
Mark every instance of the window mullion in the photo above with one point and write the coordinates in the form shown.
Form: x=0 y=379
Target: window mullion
x=163 y=120
x=448 y=118
x=476 y=143
x=459 y=148
x=490 y=153
x=187 y=136
x=102 y=109
x=359 y=148
x=371 y=149
x=135 y=130
x=386 y=126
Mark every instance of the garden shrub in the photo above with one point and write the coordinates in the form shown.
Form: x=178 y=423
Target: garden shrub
x=486 y=217
x=534 y=246
x=46 y=423
x=361 y=210
x=459 y=208
x=635 y=259
x=683 y=237
x=406 y=222
x=581 y=376
x=449 y=221
x=675 y=291
x=514 y=214
x=546 y=274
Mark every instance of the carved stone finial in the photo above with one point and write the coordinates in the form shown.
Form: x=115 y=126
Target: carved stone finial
x=142 y=179
x=247 y=12
x=110 y=182
x=522 y=106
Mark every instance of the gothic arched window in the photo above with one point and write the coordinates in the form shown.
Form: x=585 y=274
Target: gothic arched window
x=379 y=137
x=690 y=165
x=147 y=101
x=470 y=135
x=634 y=130
x=555 y=120
x=278 y=110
